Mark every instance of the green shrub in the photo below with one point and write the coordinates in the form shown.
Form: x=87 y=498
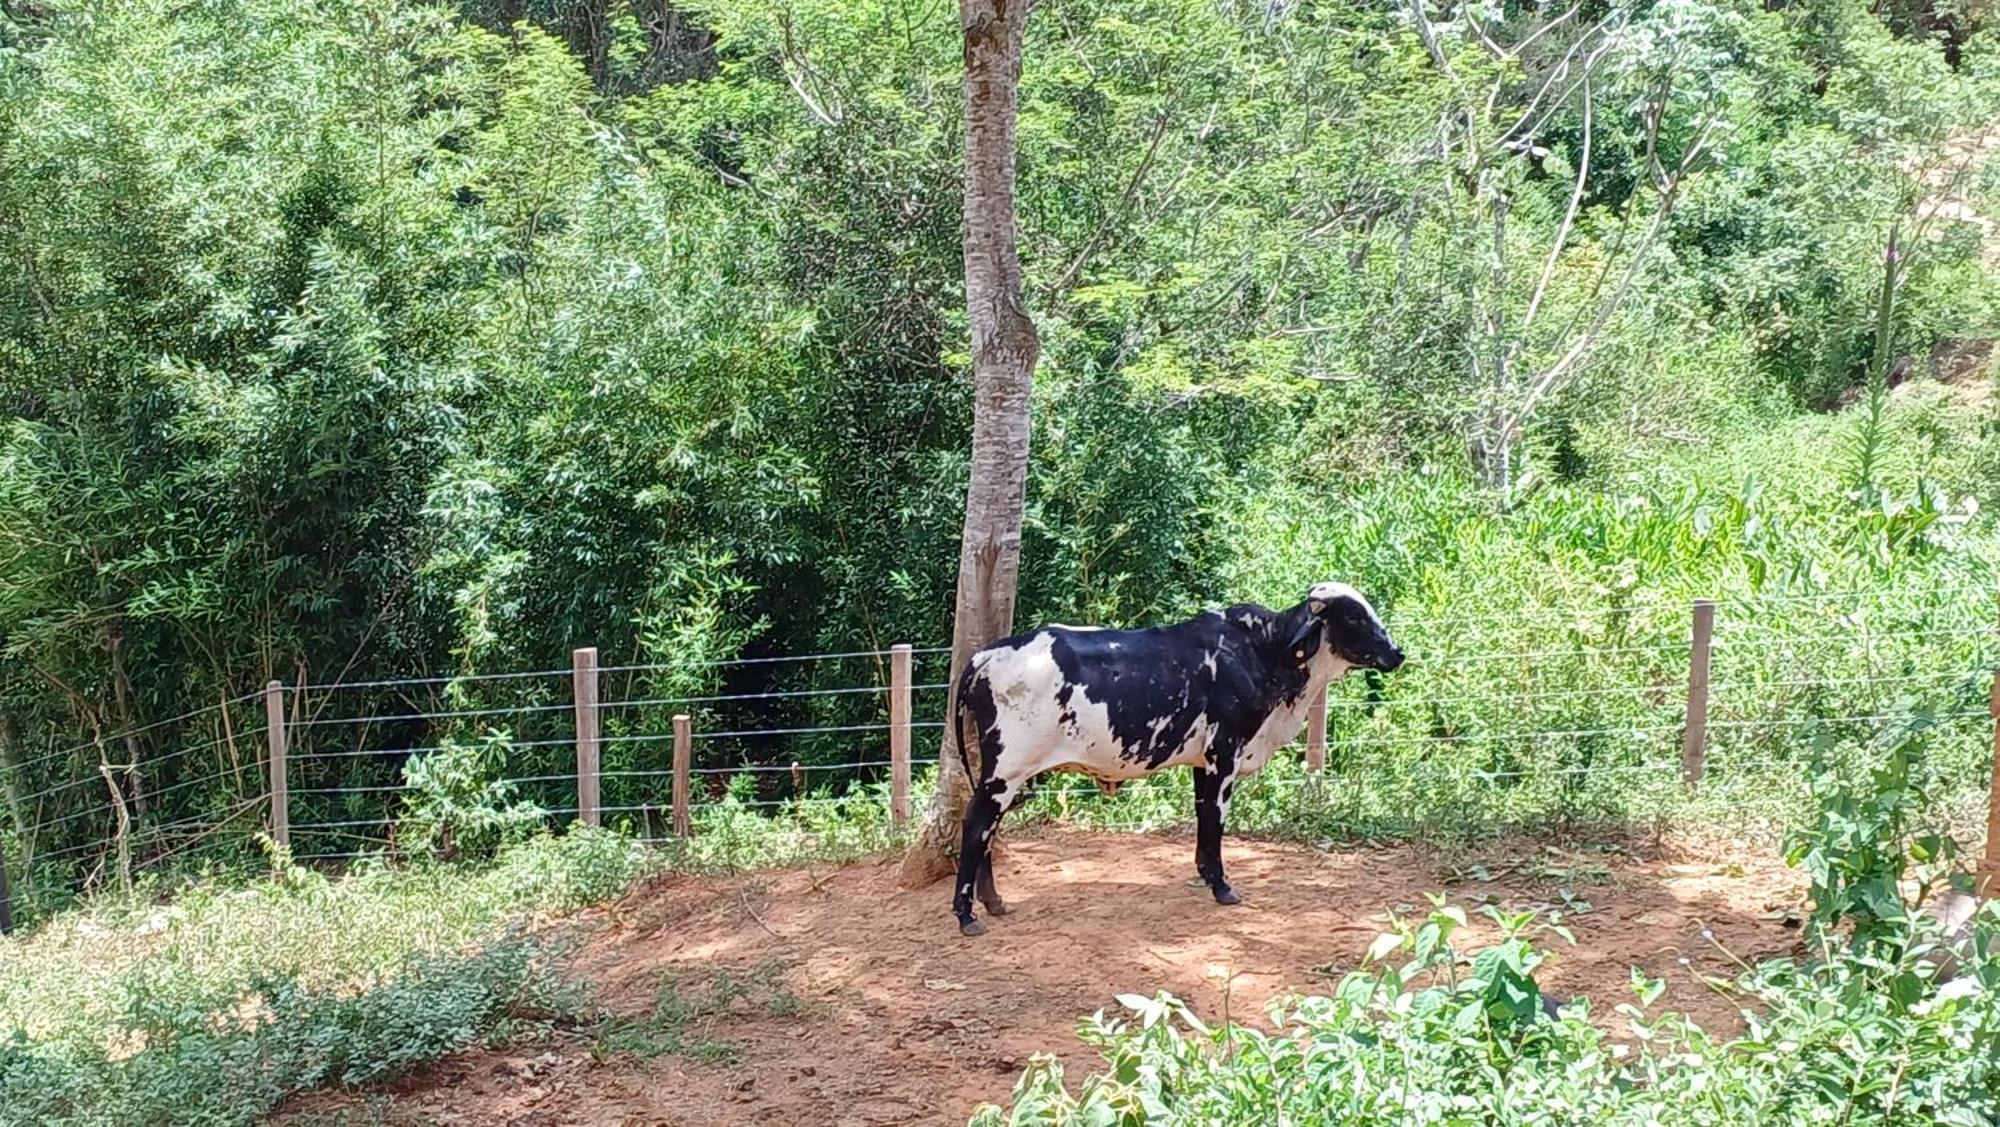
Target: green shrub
x=1866 y=839
x=456 y=804
x=214 y=1006
x=582 y=866
x=1901 y=1024
x=1854 y=1039
x=200 y=1065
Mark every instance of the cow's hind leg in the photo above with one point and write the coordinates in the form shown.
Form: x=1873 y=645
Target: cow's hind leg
x=989 y=895
x=1208 y=806
x=975 y=855
x=980 y=814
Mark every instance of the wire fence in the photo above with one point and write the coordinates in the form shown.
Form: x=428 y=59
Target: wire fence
x=1622 y=702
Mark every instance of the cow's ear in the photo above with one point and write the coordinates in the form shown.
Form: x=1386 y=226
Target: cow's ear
x=1306 y=640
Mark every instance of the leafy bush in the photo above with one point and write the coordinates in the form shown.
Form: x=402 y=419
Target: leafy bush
x=457 y=805
x=582 y=866
x=732 y=832
x=1856 y=1039
x=204 y=1067
x=1901 y=1024
x=1866 y=839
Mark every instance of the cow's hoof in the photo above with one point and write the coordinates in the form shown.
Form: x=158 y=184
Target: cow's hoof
x=971 y=927
x=996 y=907
x=1227 y=895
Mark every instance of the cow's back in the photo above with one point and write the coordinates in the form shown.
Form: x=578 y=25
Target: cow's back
x=1116 y=704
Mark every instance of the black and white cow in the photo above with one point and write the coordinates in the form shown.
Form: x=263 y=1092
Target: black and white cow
x=1218 y=693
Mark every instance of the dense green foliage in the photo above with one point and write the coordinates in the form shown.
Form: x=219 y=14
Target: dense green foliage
x=391 y=339
x=395 y=344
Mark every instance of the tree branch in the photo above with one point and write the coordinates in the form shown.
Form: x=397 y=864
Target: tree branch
x=1528 y=41
x=1569 y=215
x=1585 y=340
x=1529 y=124
x=797 y=81
x=1124 y=205
x=1669 y=193
x=1428 y=35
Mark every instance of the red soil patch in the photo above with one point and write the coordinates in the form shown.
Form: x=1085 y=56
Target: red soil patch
x=900 y=1021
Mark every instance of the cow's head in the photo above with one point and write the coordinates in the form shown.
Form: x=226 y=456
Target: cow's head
x=1351 y=628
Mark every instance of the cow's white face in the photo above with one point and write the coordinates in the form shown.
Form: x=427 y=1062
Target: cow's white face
x=1352 y=627
x=1324 y=593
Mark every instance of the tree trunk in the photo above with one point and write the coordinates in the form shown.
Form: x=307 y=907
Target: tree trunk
x=1004 y=350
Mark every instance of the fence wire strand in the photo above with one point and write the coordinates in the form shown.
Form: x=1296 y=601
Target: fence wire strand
x=1076 y=797
x=398 y=682
x=653 y=667
x=119 y=736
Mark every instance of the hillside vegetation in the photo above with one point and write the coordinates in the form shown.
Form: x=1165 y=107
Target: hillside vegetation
x=381 y=347
x=385 y=339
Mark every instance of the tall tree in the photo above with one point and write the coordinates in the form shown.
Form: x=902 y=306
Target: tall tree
x=1004 y=349
x=1496 y=150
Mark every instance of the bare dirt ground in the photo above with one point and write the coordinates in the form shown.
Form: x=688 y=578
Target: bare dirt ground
x=830 y=996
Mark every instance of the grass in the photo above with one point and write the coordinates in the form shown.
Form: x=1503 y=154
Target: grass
x=681 y=1007
x=216 y=1005
x=213 y=1000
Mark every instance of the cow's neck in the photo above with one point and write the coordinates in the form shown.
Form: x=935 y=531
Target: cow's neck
x=1325 y=666
x=1323 y=669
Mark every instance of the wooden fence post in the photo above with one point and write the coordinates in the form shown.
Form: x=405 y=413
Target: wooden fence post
x=1316 y=735
x=274 y=728
x=683 y=763
x=1990 y=879
x=583 y=666
x=899 y=735
x=6 y=898
x=124 y=839
x=1694 y=746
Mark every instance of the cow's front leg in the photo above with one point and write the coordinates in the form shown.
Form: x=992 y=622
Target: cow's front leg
x=1208 y=809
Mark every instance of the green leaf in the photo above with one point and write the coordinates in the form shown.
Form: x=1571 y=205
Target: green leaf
x=1383 y=946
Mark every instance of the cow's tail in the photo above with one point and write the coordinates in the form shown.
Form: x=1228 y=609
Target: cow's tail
x=965 y=677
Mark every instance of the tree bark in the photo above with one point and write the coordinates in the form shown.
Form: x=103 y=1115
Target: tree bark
x=1004 y=349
